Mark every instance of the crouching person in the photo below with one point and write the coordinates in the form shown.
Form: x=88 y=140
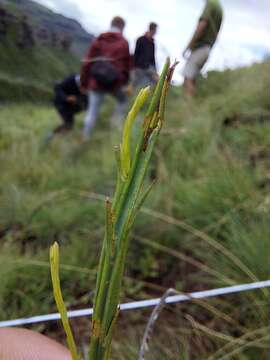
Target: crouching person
x=68 y=101
x=106 y=71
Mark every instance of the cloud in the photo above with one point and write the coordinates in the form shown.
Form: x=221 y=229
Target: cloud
x=244 y=37
x=68 y=8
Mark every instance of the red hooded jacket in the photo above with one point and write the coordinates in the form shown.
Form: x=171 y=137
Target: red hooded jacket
x=111 y=45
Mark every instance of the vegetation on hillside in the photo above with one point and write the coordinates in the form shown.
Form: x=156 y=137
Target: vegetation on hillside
x=42 y=18
x=35 y=51
x=32 y=78
x=206 y=224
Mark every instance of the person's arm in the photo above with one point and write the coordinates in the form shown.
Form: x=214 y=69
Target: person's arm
x=85 y=70
x=61 y=91
x=154 y=58
x=126 y=60
x=201 y=27
x=137 y=53
x=60 y=94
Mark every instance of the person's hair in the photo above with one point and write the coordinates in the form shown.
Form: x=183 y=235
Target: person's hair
x=118 y=22
x=153 y=26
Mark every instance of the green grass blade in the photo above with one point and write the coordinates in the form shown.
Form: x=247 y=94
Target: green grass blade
x=54 y=260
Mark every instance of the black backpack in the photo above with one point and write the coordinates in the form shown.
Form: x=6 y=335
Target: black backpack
x=105 y=74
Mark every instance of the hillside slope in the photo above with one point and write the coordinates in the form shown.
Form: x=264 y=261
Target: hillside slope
x=33 y=76
x=30 y=62
x=43 y=18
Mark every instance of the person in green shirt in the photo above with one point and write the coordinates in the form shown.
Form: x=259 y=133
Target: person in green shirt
x=198 y=50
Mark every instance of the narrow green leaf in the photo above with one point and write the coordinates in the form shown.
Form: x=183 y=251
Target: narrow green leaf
x=110 y=236
x=125 y=147
x=109 y=335
x=141 y=202
x=54 y=261
x=157 y=94
x=128 y=211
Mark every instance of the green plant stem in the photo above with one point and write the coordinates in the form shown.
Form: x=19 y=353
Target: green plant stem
x=121 y=214
x=54 y=260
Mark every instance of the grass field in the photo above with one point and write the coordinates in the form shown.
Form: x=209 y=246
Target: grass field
x=205 y=224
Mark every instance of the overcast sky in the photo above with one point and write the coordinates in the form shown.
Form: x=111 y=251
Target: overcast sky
x=245 y=35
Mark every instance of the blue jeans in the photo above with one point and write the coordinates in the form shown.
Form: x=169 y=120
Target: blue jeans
x=144 y=77
x=96 y=99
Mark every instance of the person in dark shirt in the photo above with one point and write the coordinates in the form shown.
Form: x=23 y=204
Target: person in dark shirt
x=145 y=73
x=68 y=101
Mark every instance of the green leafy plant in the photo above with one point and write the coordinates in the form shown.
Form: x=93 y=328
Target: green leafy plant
x=120 y=215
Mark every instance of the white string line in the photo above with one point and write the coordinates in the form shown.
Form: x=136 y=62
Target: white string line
x=144 y=303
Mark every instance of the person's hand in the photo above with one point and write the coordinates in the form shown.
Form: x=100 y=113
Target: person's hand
x=72 y=99
x=129 y=90
x=20 y=344
x=83 y=90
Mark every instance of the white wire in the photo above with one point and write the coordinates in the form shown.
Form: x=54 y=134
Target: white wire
x=143 y=304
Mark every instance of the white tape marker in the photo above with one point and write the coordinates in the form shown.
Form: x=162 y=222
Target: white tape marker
x=144 y=304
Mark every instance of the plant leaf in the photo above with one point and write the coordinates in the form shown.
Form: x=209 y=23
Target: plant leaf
x=54 y=261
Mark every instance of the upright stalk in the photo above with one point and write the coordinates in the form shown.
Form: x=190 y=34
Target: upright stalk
x=121 y=213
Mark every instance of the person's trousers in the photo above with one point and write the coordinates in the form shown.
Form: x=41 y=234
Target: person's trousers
x=96 y=99
x=142 y=78
x=196 y=62
x=66 y=113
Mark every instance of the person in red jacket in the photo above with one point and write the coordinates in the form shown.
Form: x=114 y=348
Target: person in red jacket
x=106 y=71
